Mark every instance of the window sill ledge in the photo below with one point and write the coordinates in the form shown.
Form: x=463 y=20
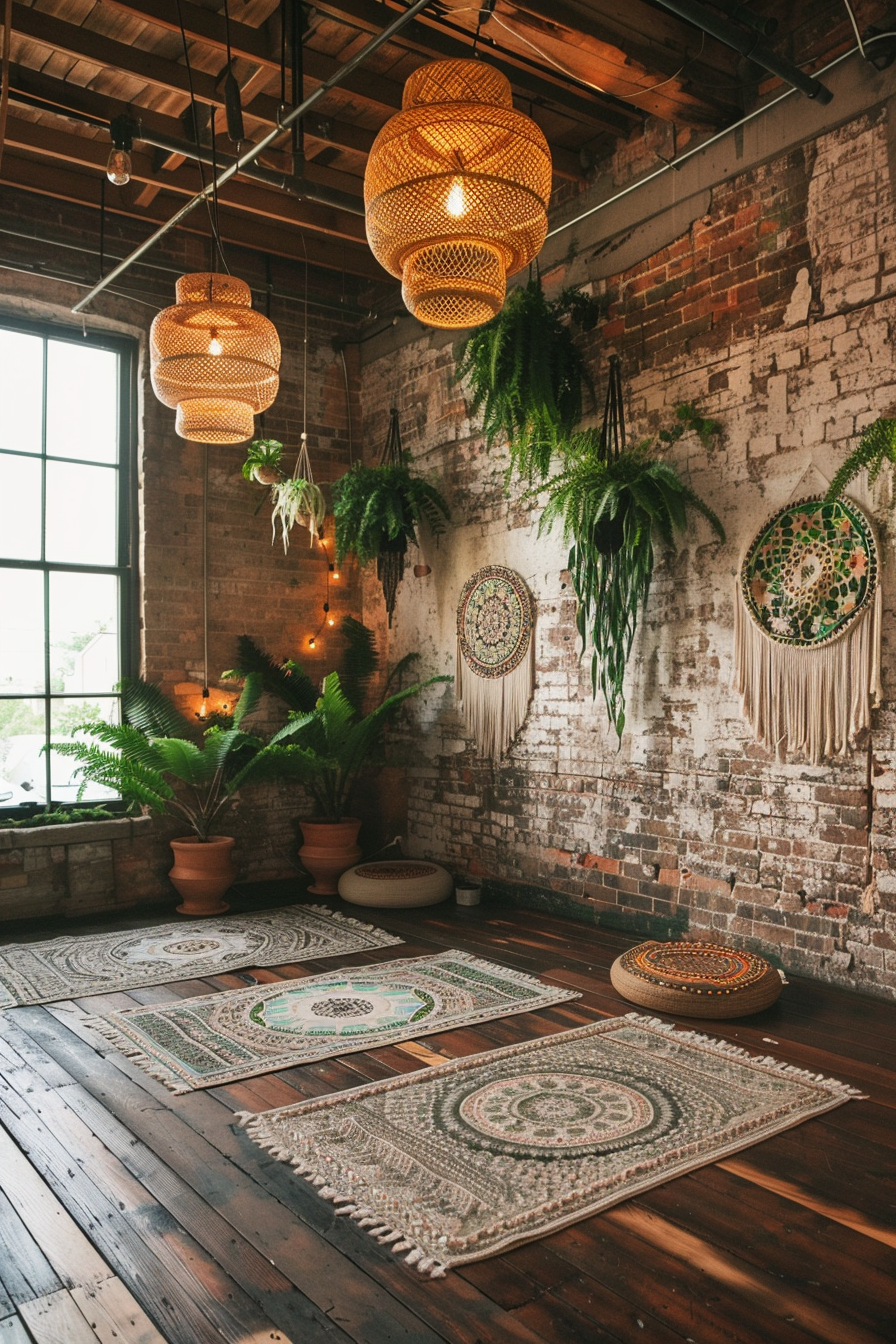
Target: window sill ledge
x=76 y=833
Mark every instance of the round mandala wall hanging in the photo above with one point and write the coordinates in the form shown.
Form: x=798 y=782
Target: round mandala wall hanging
x=807 y=629
x=495 y=655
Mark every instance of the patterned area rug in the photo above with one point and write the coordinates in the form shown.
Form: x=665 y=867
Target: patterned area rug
x=219 y=1038
x=70 y=967
x=470 y=1158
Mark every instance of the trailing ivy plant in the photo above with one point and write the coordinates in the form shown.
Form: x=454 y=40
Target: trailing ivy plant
x=876 y=446
x=690 y=419
x=527 y=373
x=612 y=509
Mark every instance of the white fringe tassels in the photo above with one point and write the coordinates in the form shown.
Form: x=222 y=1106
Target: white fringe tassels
x=812 y=702
x=495 y=708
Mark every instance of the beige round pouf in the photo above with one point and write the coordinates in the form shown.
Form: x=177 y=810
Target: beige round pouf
x=695 y=979
x=396 y=882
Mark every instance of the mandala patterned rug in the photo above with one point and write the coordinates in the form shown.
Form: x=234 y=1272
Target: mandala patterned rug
x=462 y=1161
x=70 y=967
x=219 y=1038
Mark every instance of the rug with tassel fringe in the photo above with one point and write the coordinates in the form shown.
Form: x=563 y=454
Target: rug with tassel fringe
x=81 y=964
x=470 y=1158
x=220 y=1038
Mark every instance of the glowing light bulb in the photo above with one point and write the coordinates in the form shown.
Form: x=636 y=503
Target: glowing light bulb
x=335 y=575
x=214 y=346
x=118 y=167
x=311 y=642
x=330 y=621
x=456 y=204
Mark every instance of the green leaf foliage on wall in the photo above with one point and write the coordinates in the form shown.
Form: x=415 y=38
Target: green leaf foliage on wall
x=527 y=374
x=876 y=446
x=611 y=510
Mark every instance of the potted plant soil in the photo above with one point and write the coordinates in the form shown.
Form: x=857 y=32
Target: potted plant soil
x=157 y=760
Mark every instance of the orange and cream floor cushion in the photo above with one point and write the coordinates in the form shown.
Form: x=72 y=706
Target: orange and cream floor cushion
x=695 y=979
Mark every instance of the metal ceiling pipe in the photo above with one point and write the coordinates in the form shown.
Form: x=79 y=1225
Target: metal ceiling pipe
x=253 y=152
x=285 y=182
x=748 y=46
x=292 y=186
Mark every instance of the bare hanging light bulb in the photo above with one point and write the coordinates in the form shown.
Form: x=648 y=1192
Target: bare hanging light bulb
x=118 y=167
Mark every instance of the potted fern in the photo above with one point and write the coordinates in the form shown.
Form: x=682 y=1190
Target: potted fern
x=612 y=503
x=527 y=374
x=378 y=510
x=263 y=459
x=157 y=760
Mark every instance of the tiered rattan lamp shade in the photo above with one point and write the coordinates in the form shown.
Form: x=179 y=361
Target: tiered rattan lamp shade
x=214 y=359
x=456 y=192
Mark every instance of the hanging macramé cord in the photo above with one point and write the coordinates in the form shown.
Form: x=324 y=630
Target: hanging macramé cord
x=807 y=630
x=495 y=656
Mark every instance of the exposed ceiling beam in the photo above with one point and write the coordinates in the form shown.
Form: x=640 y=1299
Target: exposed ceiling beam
x=249 y=198
x=426 y=38
x=368 y=16
x=85 y=44
x=279 y=238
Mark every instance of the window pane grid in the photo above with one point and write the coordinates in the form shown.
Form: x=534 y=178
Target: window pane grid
x=83 y=566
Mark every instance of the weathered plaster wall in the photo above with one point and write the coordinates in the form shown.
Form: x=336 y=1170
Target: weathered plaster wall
x=253 y=587
x=773 y=310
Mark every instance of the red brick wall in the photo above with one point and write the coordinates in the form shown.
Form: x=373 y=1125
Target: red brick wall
x=774 y=313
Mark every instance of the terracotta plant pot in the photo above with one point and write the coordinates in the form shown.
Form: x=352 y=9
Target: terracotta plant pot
x=330 y=847
x=203 y=870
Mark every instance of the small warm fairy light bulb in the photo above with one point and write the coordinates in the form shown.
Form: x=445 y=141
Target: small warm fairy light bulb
x=202 y=712
x=335 y=574
x=330 y=621
x=456 y=204
x=214 y=346
x=311 y=643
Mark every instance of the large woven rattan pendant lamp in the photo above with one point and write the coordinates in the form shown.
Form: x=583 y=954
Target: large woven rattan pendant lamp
x=214 y=359
x=456 y=192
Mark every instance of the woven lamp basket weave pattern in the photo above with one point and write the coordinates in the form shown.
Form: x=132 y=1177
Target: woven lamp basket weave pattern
x=216 y=395
x=456 y=192
x=695 y=979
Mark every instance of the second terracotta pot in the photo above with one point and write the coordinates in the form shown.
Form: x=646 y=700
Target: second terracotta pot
x=203 y=870
x=330 y=847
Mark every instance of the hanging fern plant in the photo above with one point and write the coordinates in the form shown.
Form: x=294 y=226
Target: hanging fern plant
x=378 y=510
x=527 y=374
x=611 y=504
x=876 y=446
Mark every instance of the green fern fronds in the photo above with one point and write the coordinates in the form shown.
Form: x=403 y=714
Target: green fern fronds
x=527 y=375
x=876 y=446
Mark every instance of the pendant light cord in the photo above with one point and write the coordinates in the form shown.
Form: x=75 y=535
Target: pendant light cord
x=198 y=139
x=205 y=571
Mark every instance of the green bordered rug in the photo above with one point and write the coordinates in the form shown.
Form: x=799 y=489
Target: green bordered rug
x=220 y=1038
x=462 y=1161
x=77 y=965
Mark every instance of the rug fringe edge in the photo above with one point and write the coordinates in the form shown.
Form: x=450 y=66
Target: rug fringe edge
x=792 y=1071
x=124 y=1045
x=394 y=1239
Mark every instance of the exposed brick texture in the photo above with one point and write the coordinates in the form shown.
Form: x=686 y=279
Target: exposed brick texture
x=774 y=313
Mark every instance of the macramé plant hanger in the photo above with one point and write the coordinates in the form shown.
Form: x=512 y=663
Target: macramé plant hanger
x=807 y=629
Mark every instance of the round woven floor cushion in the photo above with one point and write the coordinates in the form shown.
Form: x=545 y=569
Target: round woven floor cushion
x=396 y=882
x=695 y=979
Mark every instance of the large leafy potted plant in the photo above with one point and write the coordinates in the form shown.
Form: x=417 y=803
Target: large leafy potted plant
x=527 y=374
x=378 y=510
x=330 y=747
x=157 y=759
x=612 y=504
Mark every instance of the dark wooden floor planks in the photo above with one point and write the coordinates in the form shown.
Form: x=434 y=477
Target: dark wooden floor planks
x=791 y=1241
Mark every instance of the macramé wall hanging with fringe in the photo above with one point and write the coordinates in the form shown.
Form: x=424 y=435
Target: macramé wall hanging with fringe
x=495 y=656
x=807 y=629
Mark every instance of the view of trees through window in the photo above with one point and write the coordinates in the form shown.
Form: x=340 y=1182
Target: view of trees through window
x=65 y=434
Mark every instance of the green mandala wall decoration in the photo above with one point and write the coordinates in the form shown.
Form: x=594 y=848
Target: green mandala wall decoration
x=807 y=629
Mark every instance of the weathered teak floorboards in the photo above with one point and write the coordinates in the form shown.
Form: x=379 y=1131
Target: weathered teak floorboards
x=133 y=1216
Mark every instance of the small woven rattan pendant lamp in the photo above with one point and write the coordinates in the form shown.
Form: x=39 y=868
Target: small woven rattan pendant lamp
x=456 y=192
x=214 y=359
